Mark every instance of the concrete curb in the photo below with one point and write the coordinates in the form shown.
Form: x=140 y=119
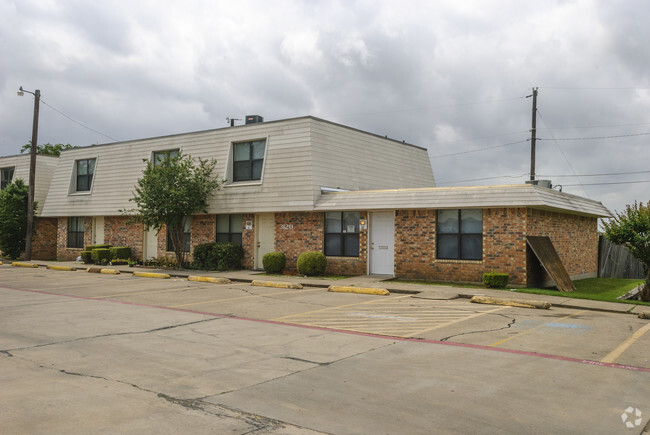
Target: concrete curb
x=102 y=270
x=208 y=279
x=360 y=290
x=152 y=275
x=68 y=268
x=522 y=303
x=276 y=284
x=19 y=264
x=644 y=315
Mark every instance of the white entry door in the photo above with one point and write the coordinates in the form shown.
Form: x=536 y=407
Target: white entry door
x=264 y=236
x=150 y=250
x=98 y=230
x=382 y=243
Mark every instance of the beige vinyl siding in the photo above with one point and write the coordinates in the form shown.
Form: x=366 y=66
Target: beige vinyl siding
x=350 y=159
x=286 y=183
x=45 y=167
x=301 y=156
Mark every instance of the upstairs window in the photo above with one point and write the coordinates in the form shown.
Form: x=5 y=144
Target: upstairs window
x=342 y=234
x=159 y=157
x=460 y=234
x=84 y=170
x=229 y=228
x=248 y=159
x=6 y=177
x=75 y=232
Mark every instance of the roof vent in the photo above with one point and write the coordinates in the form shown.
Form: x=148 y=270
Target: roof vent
x=541 y=183
x=254 y=119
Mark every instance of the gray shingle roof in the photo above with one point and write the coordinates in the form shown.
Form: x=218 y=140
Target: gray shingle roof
x=522 y=195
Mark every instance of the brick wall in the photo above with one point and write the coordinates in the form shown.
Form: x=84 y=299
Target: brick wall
x=575 y=239
x=63 y=253
x=119 y=232
x=296 y=233
x=504 y=245
x=300 y=232
x=248 y=241
x=44 y=239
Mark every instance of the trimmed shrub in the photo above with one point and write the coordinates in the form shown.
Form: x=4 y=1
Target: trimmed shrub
x=229 y=256
x=91 y=247
x=496 y=280
x=218 y=256
x=274 y=262
x=204 y=257
x=86 y=257
x=312 y=263
x=101 y=255
x=122 y=252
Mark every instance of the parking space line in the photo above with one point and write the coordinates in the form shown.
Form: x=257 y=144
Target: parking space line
x=528 y=331
x=456 y=321
x=279 y=319
x=244 y=297
x=616 y=353
x=394 y=317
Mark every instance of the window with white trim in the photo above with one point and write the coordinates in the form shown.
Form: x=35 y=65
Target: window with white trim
x=159 y=157
x=84 y=171
x=248 y=160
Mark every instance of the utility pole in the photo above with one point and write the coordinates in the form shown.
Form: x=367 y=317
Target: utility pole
x=32 y=173
x=533 y=134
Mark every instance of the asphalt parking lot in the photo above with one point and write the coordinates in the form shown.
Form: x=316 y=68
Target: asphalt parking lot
x=239 y=357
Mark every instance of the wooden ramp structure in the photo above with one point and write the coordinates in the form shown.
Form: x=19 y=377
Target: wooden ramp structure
x=544 y=250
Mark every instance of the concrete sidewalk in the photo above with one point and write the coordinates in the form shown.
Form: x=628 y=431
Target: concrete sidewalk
x=429 y=291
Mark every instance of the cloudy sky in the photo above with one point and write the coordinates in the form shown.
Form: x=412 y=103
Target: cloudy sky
x=451 y=76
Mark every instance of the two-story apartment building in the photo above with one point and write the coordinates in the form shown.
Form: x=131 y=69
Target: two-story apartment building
x=17 y=167
x=368 y=202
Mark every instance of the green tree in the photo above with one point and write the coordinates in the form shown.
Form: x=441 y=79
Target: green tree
x=169 y=192
x=13 y=218
x=631 y=228
x=47 y=149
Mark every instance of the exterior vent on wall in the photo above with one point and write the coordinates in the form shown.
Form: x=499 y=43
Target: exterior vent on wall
x=541 y=183
x=254 y=119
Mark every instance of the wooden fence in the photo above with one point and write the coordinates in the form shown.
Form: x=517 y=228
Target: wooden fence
x=615 y=261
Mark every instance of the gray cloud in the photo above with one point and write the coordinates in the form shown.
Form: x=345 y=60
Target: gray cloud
x=447 y=75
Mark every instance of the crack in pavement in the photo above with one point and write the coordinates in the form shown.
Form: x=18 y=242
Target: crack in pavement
x=509 y=325
x=113 y=334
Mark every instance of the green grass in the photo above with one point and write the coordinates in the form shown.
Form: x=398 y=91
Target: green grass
x=596 y=289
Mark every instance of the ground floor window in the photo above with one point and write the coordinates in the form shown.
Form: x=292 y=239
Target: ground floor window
x=229 y=228
x=342 y=234
x=75 y=232
x=187 y=236
x=460 y=234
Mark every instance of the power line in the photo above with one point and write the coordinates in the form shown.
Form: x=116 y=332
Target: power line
x=594 y=88
x=479 y=149
x=608 y=184
x=599 y=137
x=600 y=175
x=562 y=151
x=77 y=122
x=482 y=179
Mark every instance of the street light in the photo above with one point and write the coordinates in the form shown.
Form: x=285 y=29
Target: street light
x=32 y=173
